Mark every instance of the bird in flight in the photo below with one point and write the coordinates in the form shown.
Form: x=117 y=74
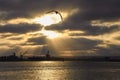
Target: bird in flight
x=54 y=11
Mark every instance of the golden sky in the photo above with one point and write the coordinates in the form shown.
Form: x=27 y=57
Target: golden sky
x=66 y=28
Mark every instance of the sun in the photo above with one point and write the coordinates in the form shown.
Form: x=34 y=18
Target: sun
x=48 y=19
x=52 y=17
x=50 y=34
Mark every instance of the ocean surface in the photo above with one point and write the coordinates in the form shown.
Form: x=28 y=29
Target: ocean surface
x=59 y=70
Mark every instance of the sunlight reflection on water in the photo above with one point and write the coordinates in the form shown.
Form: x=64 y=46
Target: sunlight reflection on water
x=54 y=70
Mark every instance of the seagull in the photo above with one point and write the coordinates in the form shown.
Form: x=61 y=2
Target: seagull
x=56 y=13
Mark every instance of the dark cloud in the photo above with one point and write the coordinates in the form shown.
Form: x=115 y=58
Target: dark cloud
x=87 y=28
x=17 y=38
x=22 y=8
x=76 y=44
x=112 y=50
x=19 y=28
x=101 y=9
x=37 y=41
x=82 y=44
x=100 y=30
x=118 y=38
x=89 y=9
x=70 y=43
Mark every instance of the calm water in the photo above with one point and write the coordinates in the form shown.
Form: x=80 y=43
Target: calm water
x=67 y=70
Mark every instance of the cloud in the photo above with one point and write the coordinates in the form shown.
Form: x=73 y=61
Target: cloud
x=83 y=43
x=87 y=29
x=15 y=9
x=5 y=35
x=112 y=50
x=105 y=23
x=118 y=38
x=78 y=24
x=19 y=28
x=89 y=10
x=37 y=40
x=76 y=44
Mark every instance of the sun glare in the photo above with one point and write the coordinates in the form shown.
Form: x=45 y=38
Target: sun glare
x=48 y=19
x=50 y=34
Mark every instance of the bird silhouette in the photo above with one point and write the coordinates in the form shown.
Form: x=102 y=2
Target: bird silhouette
x=56 y=13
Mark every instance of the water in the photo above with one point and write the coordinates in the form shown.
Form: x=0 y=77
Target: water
x=56 y=70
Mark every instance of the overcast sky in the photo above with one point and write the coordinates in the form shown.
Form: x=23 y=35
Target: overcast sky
x=89 y=27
